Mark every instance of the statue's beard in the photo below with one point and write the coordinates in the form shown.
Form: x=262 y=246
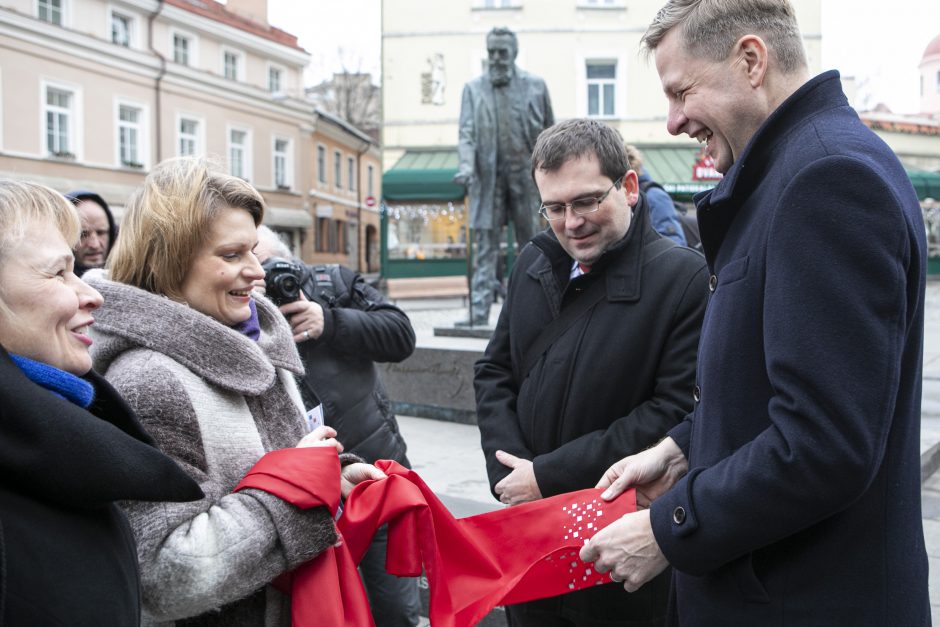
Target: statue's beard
x=500 y=74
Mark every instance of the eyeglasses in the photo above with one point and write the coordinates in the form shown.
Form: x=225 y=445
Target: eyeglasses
x=579 y=206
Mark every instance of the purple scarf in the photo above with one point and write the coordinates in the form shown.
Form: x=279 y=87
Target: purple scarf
x=250 y=327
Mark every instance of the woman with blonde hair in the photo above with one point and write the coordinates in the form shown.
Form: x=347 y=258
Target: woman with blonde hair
x=209 y=367
x=70 y=447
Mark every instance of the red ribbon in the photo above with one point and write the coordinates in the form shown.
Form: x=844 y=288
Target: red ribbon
x=473 y=564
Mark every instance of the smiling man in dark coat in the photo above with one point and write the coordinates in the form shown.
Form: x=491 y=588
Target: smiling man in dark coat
x=593 y=356
x=791 y=496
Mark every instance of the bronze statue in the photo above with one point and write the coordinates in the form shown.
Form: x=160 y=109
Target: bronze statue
x=501 y=114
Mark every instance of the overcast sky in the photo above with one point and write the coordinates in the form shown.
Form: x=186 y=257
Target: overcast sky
x=880 y=43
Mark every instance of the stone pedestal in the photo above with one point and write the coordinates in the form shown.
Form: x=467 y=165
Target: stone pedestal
x=436 y=381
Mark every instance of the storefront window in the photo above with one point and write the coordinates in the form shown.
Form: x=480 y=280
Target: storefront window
x=426 y=230
x=931 y=209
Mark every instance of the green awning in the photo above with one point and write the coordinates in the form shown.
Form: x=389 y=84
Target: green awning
x=672 y=167
x=926 y=184
x=423 y=175
x=428 y=174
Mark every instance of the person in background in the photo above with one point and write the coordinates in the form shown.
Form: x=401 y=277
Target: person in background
x=209 y=368
x=663 y=215
x=594 y=351
x=98 y=230
x=70 y=446
x=792 y=494
x=342 y=327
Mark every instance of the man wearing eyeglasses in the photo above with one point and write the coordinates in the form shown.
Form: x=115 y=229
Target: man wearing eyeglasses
x=594 y=351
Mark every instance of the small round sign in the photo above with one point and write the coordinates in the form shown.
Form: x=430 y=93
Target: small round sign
x=370 y=201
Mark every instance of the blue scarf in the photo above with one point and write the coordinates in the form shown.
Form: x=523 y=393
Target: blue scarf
x=61 y=383
x=250 y=327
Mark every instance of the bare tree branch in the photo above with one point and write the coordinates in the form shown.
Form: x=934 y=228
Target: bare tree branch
x=350 y=94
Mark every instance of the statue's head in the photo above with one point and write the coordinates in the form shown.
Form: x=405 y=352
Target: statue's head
x=501 y=48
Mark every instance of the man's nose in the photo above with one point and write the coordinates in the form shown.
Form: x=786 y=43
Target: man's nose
x=572 y=220
x=93 y=241
x=676 y=120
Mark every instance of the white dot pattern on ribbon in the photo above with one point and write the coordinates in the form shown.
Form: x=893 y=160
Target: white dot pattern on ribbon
x=582 y=524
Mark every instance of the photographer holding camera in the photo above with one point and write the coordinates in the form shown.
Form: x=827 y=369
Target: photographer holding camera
x=342 y=326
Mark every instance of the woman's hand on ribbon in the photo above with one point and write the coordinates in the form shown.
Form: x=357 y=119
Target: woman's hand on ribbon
x=354 y=474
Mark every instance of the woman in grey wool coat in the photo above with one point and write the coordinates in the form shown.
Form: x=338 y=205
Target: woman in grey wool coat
x=209 y=367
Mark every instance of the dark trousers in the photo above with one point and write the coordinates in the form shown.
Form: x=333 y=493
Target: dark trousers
x=516 y=616
x=394 y=600
x=513 y=201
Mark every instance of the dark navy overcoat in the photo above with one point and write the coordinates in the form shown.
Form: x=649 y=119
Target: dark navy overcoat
x=802 y=502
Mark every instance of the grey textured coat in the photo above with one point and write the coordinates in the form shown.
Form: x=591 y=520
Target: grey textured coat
x=477 y=145
x=215 y=401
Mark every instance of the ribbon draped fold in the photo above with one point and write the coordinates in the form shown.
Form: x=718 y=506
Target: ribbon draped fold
x=473 y=564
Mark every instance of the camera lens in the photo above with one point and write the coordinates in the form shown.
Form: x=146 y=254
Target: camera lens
x=282 y=279
x=289 y=285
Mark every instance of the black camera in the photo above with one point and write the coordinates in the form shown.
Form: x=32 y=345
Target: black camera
x=282 y=280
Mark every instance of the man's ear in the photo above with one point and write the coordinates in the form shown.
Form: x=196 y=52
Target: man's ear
x=751 y=51
x=630 y=187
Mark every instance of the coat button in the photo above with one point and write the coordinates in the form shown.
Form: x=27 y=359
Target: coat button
x=712 y=282
x=696 y=394
x=678 y=515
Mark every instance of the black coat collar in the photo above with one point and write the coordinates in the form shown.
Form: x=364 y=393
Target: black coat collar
x=718 y=207
x=621 y=264
x=55 y=451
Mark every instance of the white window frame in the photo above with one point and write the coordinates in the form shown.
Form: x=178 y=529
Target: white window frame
x=199 y=139
x=322 y=165
x=283 y=78
x=246 y=154
x=620 y=83
x=143 y=132
x=604 y=86
x=351 y=173
x=370 y=170
x=288 y=162
x=133 y=36
x=337 y=169
x=76 y=130
x=938 y=80
x=193 y=51
x=65 y=11
x=239 y=64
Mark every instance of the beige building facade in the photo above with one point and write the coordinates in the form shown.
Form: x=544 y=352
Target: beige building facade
x=93 y=93
x=345 y=185
x=586 y=50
